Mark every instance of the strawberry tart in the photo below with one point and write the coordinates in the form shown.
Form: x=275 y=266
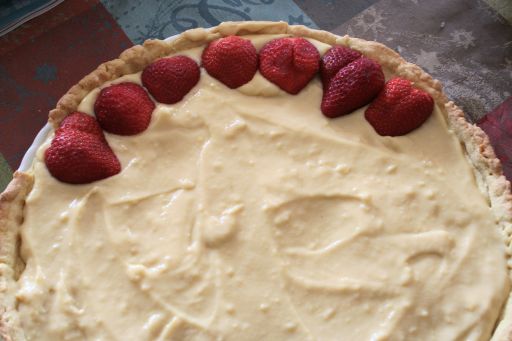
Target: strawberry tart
x=257 y=181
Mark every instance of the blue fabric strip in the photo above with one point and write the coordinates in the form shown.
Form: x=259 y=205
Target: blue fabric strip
x=160 y=19
x=15 y=12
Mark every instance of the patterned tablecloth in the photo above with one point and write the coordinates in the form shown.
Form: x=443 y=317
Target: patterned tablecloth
x=467 y=44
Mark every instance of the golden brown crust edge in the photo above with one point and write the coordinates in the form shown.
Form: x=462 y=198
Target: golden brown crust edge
x=12 y=201
x=475 y=142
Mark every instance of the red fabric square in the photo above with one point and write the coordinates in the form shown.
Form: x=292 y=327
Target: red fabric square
x=41 y=60
x=498 y=126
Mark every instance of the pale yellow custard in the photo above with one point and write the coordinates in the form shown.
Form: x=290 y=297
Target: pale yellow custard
x=247 y=215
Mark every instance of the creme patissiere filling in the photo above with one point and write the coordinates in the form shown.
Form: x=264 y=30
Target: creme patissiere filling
x=245 y=214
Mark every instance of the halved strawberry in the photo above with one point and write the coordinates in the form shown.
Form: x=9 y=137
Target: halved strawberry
x=232 y=60
x=399 y=108
x=290 y=63
x=353 y=86
x=79 y=152
x=168 y=80
x=124 y=109
x=82 y=122
x=335 y=59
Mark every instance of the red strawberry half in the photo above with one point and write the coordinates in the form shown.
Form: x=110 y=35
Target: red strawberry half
x=79 y=152
x=168 y=80
x=353 y=86
x=232 y=60
x=82 y=122
x=399 y=108
x=124 y=109
x=290 y=63
x=336 y=58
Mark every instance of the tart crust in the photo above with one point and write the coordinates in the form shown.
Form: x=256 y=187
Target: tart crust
x=486 y=166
